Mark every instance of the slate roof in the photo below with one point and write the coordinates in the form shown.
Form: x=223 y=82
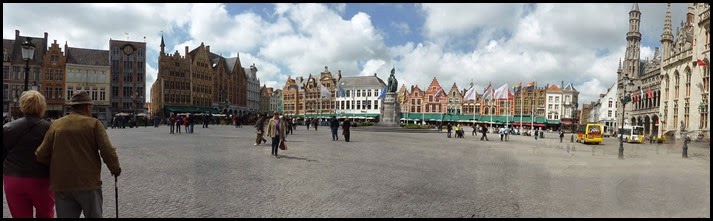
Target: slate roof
x=85 y=56
x=361 y=81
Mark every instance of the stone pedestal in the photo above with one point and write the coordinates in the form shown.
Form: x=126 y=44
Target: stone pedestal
x=390 y=113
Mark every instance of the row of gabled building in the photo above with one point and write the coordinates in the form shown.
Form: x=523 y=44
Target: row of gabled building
x=358 y=97
x=114 y=78
x=201 y=81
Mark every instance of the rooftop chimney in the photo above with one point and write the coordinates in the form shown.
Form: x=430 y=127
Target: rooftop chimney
x=207 y=48
x=186 y=51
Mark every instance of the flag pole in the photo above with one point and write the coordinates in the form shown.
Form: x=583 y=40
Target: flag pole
x=492 y=94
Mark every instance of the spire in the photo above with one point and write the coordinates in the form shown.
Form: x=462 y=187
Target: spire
x=619 y=63
x=635 y=7
x=163 y=45
x=667 y=31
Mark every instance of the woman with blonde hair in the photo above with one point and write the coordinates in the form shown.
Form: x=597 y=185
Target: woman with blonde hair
x=26 y=181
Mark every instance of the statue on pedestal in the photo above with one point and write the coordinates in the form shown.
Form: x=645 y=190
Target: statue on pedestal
x=393 y=83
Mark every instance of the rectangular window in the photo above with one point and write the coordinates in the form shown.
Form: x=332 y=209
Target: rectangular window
x=48 y=93
x=70 y=91
x=5 y=92
x=87 y=76
x=557 y=99
x=609 y=113
x=549 y=99
x=59 y=74
x=610 y=104
x=48 y=75
x=5 y=72
x=376 y=104
x=94 y=94
x=58 y=92
x=37 y=74
x=16 y=73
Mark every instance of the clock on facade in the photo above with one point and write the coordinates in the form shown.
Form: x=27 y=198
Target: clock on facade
x=128 y=49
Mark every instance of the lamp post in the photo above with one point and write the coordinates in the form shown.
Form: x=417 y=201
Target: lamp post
x=28 y=52
x=624 y=100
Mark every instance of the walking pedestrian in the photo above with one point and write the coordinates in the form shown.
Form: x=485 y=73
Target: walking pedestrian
x=345 y=129
x=449 y=128
x=72 y=148
x=315 y=123
x=260 y=127
x=186 y=123
x=334 y=125
x=561 y=135
x=26 y=181
x=276 y=131
x=179 y=123
x=537 y=133
x=475 y=130
x=191 y=119
x=172 y=123
x=308 y=122
x=484 y=133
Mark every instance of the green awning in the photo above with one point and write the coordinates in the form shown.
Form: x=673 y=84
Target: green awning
x=179 y=109
x=540 y=120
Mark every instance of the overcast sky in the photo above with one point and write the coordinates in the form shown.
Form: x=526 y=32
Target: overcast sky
x=498 y=43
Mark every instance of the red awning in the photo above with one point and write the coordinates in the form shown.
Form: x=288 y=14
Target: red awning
x=566 y=121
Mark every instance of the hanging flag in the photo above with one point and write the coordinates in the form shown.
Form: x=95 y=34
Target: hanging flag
x=470 y=94
x=438 y=94
x=501 y=92
x=701 y=63
x=324 y=92
x=517 y=87
x=530 y=86
x=642 y=93
x=487 y=92
x=649 y=93
x=383 y=93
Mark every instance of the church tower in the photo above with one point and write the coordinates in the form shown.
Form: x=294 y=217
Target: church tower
x=667 y=35
x=633 y=45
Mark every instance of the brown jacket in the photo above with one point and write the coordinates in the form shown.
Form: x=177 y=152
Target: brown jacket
x=272 y=128
x=71 y=148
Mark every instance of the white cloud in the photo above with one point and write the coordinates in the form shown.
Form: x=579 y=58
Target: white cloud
x=498 y=43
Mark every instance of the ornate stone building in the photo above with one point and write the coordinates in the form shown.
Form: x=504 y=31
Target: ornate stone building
x=52 y=83
x=14 y=69
x=201 y=81
x=454 y=104
x=265 y=94
x=89 y=70
x=128 y=76
x=361 y=97
x=686 y=74
x=253 y=89
x=276 y=101
x=432 y=103
x=302 y=97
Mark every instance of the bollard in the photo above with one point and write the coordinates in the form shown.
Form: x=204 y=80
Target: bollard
x=542 y=135
x=571 y=139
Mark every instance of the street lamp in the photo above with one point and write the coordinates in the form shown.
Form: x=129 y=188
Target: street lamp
x=28 y=52
x=624 y=100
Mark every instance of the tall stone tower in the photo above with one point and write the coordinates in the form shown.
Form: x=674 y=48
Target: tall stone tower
x=632 y=59
x=667 y=35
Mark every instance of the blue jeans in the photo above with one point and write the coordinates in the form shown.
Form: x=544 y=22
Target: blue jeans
x=334 y=134
x=275 y=144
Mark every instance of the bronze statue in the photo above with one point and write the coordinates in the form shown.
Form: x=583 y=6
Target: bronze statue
x=393 y=83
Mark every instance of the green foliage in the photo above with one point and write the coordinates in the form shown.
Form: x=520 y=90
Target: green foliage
x=363 y=124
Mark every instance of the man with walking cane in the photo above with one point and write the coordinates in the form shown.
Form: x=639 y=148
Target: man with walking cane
x=72 y=148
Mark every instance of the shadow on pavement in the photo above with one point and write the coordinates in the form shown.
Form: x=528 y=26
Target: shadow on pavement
x=297 y=158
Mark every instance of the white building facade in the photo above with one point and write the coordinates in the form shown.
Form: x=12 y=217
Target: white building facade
x=553 y=103
x=685 y=69
x=253 y=84
x=360 y=100
x=605 y=110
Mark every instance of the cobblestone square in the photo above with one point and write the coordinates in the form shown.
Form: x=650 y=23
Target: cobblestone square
x=217 y=172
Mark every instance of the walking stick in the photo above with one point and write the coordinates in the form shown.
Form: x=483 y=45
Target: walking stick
x=116 y=196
